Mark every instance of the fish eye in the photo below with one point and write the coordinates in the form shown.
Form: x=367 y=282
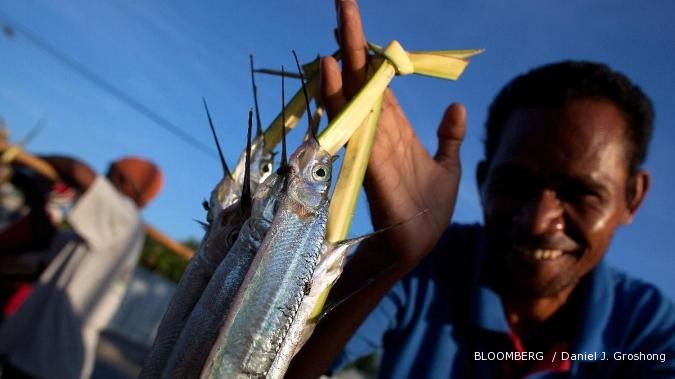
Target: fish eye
x=267 y=167
x=321 y=173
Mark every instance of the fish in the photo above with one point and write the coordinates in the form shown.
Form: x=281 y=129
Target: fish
x=280 y=278
x=280 y=273
x=227 y=213
x=201 y=329
x=261 y=157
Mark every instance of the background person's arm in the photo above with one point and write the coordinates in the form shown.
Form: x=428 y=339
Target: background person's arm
x=72 y=172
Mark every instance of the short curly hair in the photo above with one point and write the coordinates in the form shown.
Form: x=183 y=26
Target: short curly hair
x=558 y=83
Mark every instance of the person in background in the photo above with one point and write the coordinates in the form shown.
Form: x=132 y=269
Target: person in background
x=514 y=297
x=54 y=333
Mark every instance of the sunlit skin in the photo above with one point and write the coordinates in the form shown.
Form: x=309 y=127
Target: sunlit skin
x=553 y=195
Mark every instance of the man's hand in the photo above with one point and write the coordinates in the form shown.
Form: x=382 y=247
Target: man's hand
x=402 y=178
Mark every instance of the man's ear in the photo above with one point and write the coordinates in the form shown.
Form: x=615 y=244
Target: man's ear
x=636 y=190
x=481 y=173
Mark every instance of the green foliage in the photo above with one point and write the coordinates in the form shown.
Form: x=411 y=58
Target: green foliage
x=157 y=258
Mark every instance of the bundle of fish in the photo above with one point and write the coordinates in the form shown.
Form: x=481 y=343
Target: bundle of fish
x=249 y=298
x=242 y=307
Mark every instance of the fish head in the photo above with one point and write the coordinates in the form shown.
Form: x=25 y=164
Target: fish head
x=261 y=161
x=311 y=171
x=266 y=198
x=224 y=194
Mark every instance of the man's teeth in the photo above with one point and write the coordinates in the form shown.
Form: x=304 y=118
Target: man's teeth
x=542 y=254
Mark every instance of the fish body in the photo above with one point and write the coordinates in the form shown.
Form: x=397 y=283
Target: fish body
x=229 y=207
x=219 y=238
x=326 y=273
x=280 y=275
x=201 y=329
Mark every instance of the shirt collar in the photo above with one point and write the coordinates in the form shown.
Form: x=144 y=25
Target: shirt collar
x=597 y=303
x=486 y=310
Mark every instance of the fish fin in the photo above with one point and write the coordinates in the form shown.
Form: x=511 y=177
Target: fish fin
x=258 y=124
x=311 y=128
x=205 y=205
x=284 y=167
x=203 y=224
x=226 y=170
x=342 y=248
x=284 y=157
x=246 y=190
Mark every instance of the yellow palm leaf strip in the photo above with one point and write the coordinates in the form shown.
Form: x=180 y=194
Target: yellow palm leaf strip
x=346 y=193
x=444 y=64
x=345 y=124
x=354 y=164
x=296 y=106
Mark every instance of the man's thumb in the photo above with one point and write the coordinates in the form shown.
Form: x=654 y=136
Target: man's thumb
x=450 y=135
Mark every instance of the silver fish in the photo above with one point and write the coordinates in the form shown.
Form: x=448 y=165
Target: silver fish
x=280 y=275
x=226 y=221
x=201 y=329
x=261 y=164
x=208 y=315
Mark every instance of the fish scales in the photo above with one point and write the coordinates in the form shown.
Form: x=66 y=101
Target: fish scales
x=325 y=274
x=201 y=329
x=215 y=245
x=276 y=294
x=227 y=212
x=280 y=275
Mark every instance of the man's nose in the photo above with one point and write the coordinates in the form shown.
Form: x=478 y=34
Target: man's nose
x=542 y=214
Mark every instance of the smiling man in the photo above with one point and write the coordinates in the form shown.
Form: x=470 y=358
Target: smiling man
x=527 y=294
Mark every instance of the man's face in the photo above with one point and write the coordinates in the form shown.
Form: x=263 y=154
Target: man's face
x=553 y=195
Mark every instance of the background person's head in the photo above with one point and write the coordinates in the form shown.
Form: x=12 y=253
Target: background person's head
x=137 y=178
x=564 y=147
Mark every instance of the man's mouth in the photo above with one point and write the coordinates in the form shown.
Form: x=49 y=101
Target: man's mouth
x=539 y=254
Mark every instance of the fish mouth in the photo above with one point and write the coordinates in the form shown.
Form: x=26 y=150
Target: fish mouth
x=540 y=254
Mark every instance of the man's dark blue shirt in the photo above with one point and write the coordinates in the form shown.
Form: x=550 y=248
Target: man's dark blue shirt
x=441 y=321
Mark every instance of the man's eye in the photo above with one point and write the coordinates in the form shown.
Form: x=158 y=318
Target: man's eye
x=581 y=194
x=515 y=188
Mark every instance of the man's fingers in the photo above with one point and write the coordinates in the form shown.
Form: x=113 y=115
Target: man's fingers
x=450 y=135
x=331 y=86
x=352 y=44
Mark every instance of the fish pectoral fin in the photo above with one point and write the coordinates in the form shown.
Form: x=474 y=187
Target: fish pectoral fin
x=347 y=243
x=331 y=303
x=341 y=248
x=203 y=224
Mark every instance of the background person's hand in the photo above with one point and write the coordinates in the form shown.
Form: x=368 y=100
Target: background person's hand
x=402 y=178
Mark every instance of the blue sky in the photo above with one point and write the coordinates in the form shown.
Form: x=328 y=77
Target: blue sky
x=168 y=54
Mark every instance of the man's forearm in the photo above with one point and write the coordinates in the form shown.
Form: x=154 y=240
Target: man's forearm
x=73 y=172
